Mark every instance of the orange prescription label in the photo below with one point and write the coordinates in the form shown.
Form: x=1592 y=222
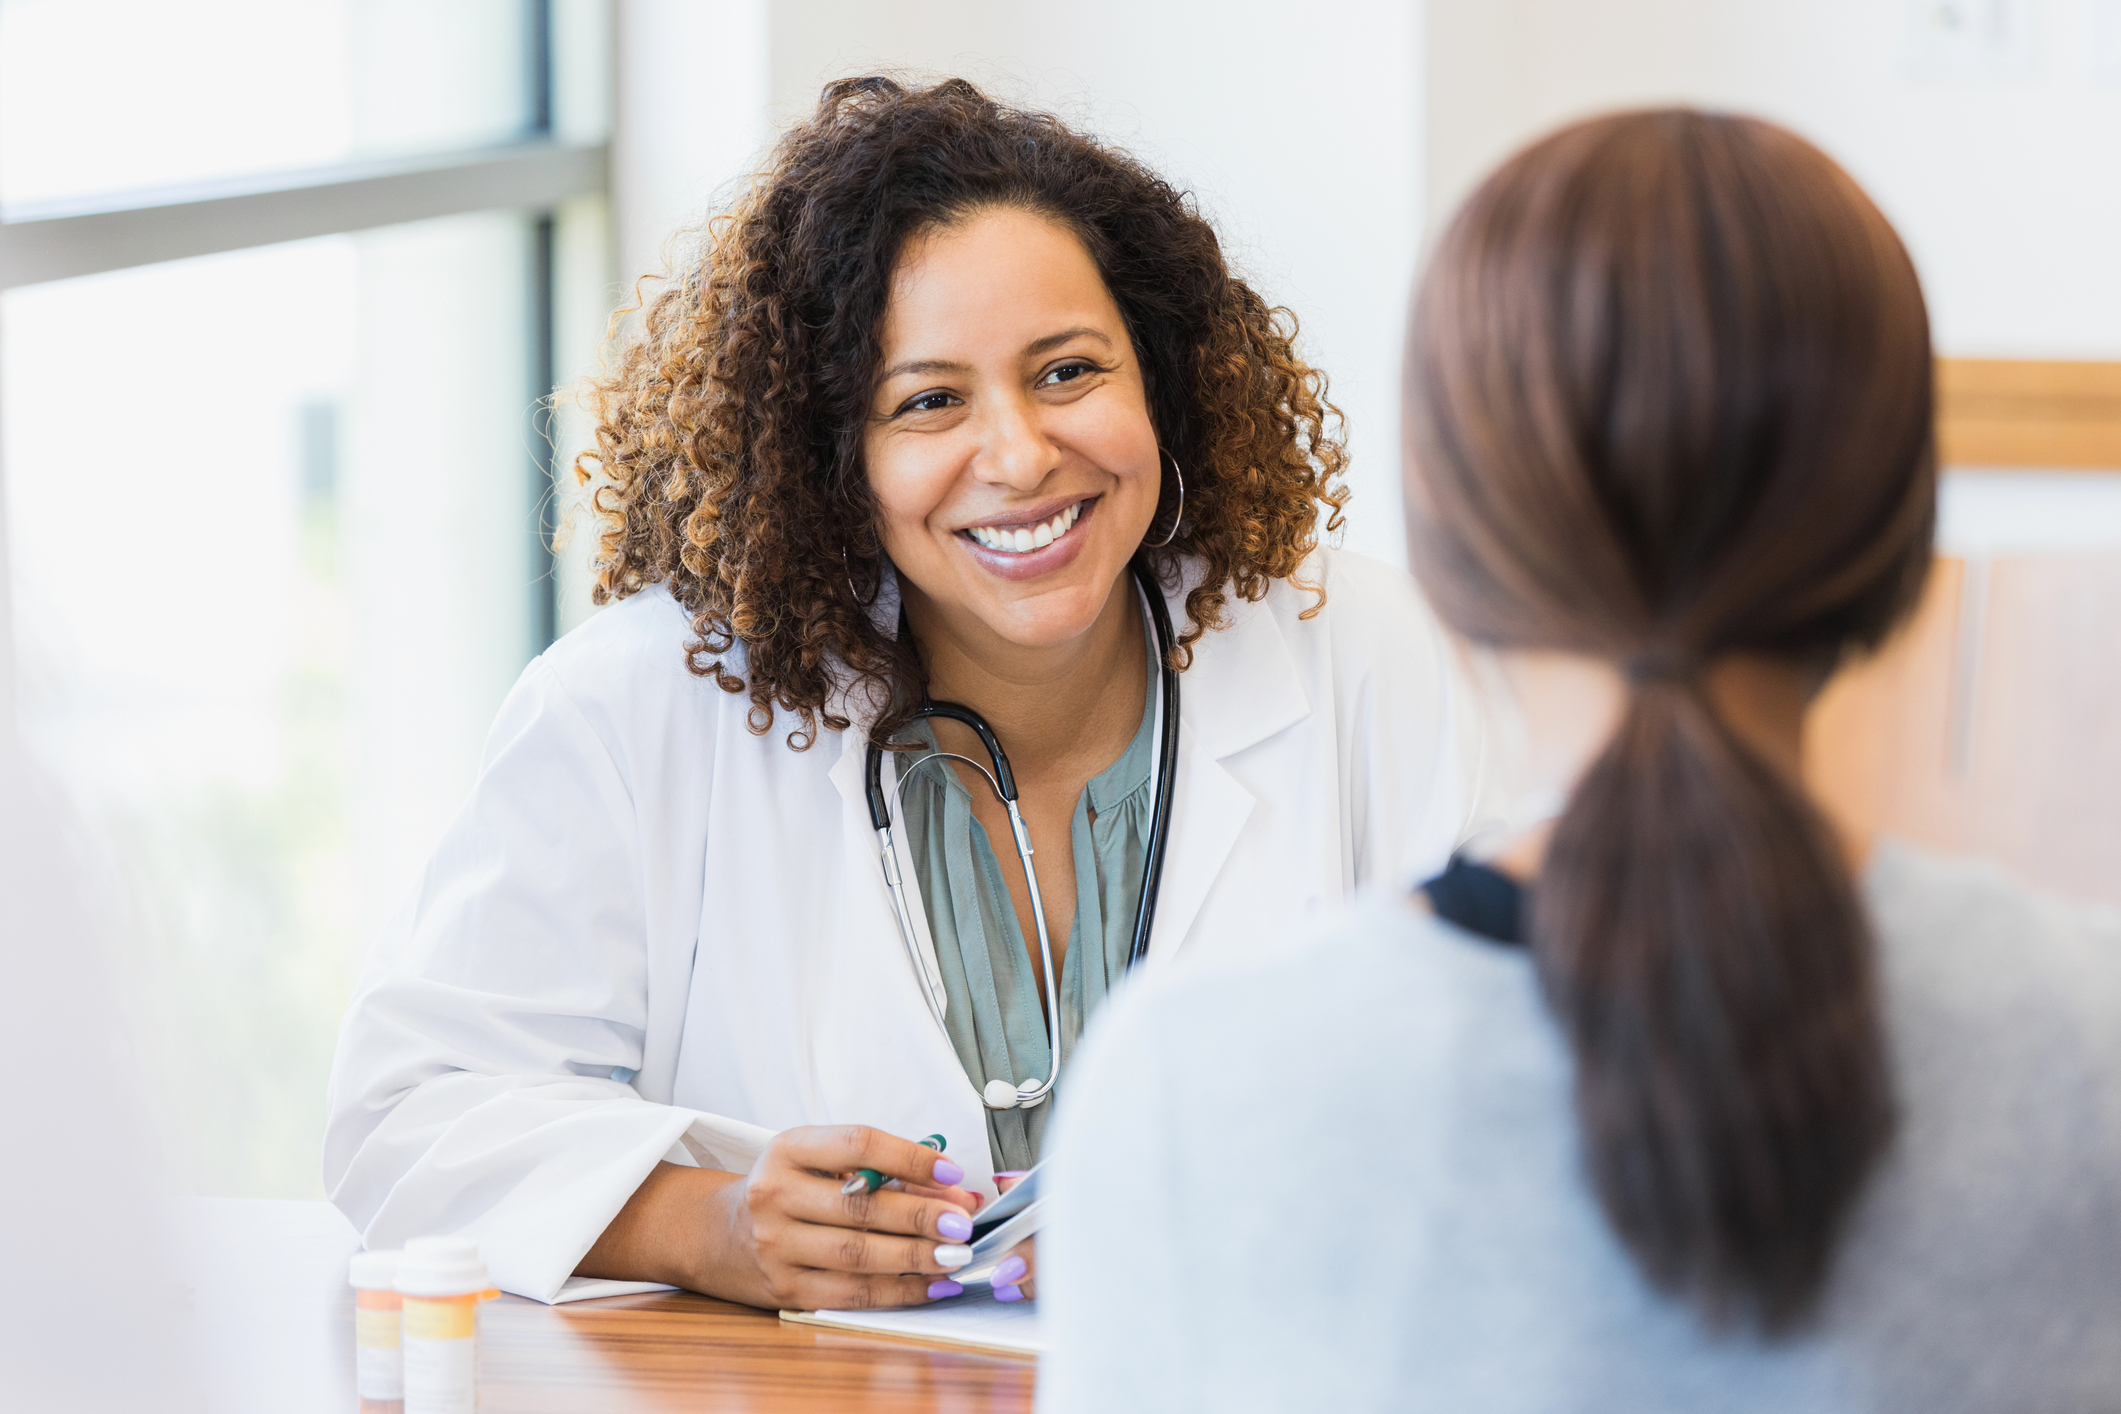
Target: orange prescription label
x=378 y=1373
x=442 y=1354
x=441 y=1318
x=376 y=1330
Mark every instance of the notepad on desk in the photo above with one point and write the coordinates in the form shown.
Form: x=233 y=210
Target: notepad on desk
x=975 y=1320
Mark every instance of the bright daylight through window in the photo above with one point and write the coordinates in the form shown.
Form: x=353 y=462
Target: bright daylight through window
x=278 y=516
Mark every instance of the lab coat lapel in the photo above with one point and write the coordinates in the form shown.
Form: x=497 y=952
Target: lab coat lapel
x=1242 y=688
x=1209 y=809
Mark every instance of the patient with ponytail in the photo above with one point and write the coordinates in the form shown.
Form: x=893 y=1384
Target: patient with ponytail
x=1669 y=1094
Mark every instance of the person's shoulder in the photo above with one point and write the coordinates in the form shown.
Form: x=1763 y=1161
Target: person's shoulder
x=1954 y=909
x=1342 y=615
x=1967 y=947
x=1373 y=622
x=1379 y=973
x=1986 y=1246
x=1345 y=592
x=627 y=642
x=625 y=673
x=638 y=650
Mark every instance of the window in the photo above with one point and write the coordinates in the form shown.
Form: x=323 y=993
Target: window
x=278 y=514
x=102 y=96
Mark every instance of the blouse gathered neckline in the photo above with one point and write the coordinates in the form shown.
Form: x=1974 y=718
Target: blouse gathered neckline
x=992 y=1010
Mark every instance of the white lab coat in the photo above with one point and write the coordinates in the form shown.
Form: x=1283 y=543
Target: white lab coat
x=641 y=887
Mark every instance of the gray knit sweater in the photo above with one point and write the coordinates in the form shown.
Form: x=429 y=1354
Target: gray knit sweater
x=1348 y=1178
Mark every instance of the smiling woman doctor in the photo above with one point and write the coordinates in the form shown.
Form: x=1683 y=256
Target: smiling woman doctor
x=948 y=387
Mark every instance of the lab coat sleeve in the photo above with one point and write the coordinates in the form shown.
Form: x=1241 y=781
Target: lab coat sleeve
x=473 y=1091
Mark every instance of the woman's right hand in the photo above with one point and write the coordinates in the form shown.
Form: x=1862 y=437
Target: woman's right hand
x=784 y=1236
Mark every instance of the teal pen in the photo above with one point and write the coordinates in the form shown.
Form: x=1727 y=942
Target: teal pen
x=869 y=1180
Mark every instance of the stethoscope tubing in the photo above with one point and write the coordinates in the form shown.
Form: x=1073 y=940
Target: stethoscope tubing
x=1166 y=765
x=1003 y=780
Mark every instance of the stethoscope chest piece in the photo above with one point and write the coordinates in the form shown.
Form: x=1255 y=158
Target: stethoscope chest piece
x=1001 y=1095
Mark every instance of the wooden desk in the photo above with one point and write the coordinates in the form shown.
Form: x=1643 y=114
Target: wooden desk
x=274 y=1318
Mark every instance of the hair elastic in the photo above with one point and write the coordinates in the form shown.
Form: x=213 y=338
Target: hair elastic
x=1663 y=665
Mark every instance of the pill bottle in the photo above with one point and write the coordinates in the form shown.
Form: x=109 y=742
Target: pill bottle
x=378 y=1371
x=442 y=1282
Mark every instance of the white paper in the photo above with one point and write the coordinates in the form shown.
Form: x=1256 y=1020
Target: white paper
x=1022 y=1194
x=975 y=1318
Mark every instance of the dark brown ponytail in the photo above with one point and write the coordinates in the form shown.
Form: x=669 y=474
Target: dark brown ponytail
x=1668 y=401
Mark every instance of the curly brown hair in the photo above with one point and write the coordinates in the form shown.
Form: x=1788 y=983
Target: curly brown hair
x=729 y=431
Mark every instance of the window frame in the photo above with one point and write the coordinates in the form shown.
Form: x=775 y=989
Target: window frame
x=535 y=174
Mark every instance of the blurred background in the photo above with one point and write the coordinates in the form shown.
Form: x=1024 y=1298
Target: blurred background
x=285 y=286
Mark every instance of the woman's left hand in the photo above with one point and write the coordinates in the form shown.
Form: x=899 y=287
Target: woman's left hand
x=1012 y=1282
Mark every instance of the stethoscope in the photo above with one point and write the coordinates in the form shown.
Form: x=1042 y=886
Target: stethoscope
x=1000 y=1094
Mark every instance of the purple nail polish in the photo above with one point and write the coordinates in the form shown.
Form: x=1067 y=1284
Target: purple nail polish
x=1008 y=1293
x=1010 y=1272
x=948 y=1173
x=937 y=1290
x=954 y=1225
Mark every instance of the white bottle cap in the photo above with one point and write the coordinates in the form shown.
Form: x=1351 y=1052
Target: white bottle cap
x=375 y=1271
x=441 y=1266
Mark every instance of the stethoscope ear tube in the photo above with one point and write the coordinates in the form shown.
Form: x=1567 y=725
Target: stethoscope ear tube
x=1004 y=779
x=879 y=807
x=873 y=772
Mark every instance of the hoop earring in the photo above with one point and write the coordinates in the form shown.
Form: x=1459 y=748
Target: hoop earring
x=847 y=568
x=1170 y=534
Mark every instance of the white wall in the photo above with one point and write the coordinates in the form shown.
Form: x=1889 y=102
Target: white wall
x=2000 y=163
x=437 y=516
x=686 y=93
x=689 y=114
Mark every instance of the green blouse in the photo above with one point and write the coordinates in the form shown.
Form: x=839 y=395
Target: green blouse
x=989 y=977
